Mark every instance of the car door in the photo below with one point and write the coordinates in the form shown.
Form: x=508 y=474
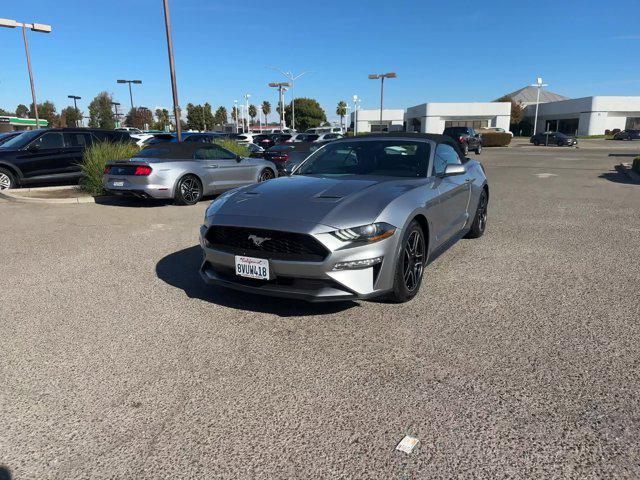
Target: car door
x=451 y=209
x=42 y=157
x=75 y=145
x=206 y=159
x=228 y=170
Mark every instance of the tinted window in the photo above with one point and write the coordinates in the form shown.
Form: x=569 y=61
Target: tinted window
x=49 y=140
x=395 y=158
x=21 y=140
x=214 y=152
x=445 y=155
x=152 y=152
x=77 y=139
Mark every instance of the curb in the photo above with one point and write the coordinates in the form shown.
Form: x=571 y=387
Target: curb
x=20 y=199
x=626 y=168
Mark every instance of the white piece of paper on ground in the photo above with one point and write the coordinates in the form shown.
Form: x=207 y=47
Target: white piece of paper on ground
x=407 y=444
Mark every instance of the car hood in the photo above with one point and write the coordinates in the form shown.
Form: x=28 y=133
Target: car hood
x=335 y=202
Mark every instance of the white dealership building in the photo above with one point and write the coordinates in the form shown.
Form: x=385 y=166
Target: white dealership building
x=435 y=117
x=369 y=120
x=587 y=115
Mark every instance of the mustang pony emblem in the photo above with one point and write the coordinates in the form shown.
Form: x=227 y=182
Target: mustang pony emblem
x=258 y=241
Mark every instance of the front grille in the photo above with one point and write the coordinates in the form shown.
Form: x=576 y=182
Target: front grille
x=276 y=246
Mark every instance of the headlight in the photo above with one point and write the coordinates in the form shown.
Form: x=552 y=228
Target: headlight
x=365 y=233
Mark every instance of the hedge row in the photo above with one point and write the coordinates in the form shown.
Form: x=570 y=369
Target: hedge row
x=495 y=139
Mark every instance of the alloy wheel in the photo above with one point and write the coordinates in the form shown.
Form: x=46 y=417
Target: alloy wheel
x=413 y=261
x=190 y=189
x=482 y=213
x=5 y=181
x=265 y=175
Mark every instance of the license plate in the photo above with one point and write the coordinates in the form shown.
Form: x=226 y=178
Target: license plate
x=252 y=267
x=118 y=184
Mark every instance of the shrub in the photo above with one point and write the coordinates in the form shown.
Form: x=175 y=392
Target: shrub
x=636 y=164
x=495 y=139
x=95 y=159
x=234 y=147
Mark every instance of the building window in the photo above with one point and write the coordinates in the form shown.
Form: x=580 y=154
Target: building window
x=632 y=123
x=467 y=123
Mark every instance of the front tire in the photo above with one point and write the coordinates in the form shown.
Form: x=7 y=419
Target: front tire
x=536 y=143
x=480 y=220
x=7 y=180
x=479 y=150
x=410 y=265
x=465 y=149
x=189 y=190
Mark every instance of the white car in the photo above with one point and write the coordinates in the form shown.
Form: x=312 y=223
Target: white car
x=319 y=130
x=244 y=137
x=327 y=137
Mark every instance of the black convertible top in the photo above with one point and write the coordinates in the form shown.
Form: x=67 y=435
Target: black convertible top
x=172 y=149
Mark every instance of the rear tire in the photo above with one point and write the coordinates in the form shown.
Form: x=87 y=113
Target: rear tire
x=536 y=143
x=465 y=149
x=7 y=180
x=265 y=175
x=410 y=265
x=480 y=220
x=479 y=150
x=559 y=143
x=188 y=191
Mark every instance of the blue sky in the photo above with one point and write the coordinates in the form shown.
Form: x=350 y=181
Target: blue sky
x=441 y=50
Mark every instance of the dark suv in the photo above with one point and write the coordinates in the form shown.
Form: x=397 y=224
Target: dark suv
x=466 y=137
x=49 y=155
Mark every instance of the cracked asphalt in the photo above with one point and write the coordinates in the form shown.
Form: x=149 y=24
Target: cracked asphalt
x=520 y=358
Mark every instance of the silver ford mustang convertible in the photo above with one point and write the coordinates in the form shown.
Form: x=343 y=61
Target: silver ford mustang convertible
x=184 y=171
x=359 y=218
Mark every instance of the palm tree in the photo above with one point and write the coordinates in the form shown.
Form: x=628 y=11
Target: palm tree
x=266 y=109
x=341 y=110
x=253 y=112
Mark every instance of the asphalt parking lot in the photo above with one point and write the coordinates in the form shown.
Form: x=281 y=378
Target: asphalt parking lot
x=519 y=358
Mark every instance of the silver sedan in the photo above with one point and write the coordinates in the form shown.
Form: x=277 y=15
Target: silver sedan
x=358 y=218
x=184 y=171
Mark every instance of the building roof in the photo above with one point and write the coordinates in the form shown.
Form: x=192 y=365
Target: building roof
x=528 y=95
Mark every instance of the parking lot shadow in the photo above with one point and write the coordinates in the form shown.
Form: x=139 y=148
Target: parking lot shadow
x=180 y=269
x=5 y=474
x=617 y=176
x=130 y=202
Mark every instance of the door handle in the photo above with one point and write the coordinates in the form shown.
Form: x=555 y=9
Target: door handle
x=468 y=180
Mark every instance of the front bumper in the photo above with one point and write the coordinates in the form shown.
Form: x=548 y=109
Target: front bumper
x=310 y=281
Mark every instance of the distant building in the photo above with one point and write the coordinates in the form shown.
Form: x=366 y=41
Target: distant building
x=527 y=96
x=435 y=117
x=586 y=116
x=369 y=120
x=9 y=124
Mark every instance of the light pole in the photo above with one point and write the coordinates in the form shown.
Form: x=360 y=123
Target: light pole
x=75 y=104
x=172 y=69
x=539 y=86
x=282 y=87
x=235 y=111
x=292 y=78
x=382 y=76
x=115 y=106
x=36 y=27
x=137 y=82
x=356 y=104
x=246 y=97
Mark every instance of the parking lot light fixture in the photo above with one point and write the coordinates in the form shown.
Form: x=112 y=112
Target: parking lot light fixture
x=36 y=27
x=282 y=87
x=172 y=70
x=356 y=103
x=539 y=86
x=292 y=79
x=382 y=76
x=137 y=82
x=246 y=97
x=75 y=104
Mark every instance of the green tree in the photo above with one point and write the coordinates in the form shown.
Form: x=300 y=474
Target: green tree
x=46 y=111
x=139 y=117
x=253 y=113
x=162 y=116
x=196 y=116
x=70 y=117
x=266 y=110
x=341 y=111
x=101 y=113
x=5 y=113
x=22 y=111
x=208 y=117
x=309 y=114
x=517 y=110
x=220 y=118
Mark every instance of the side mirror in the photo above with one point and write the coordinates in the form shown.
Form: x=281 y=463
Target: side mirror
x=454 y=169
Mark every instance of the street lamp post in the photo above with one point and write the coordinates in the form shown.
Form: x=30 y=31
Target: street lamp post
x=382 y=76
x=292 y=79
x=75 y=104
x=235 y=111
x=282 y=87
x=137 y=82
x=356 y=104
x=172 y=69
x=539 y=86
x=115 y=106
x=36 y=27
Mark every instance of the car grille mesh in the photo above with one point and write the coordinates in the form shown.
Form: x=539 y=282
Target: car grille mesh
x=275 y=245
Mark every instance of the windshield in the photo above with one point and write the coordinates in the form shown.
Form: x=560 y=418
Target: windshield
x=393 y=158
x=21 y=140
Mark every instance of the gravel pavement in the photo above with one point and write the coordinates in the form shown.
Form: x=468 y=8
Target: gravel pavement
x=520 y=358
